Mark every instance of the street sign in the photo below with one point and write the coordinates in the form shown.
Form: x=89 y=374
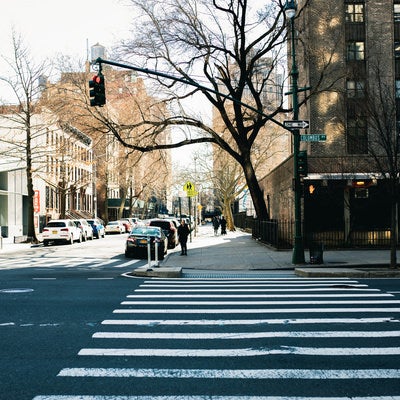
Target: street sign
x=190 y=190
x=301 y=124
x=313 y=138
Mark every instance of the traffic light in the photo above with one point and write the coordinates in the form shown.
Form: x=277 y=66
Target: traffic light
x=302 y=166
x=97 y=92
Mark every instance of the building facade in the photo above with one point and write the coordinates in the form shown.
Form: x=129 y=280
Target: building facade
x=61 y=173
x=348 y=52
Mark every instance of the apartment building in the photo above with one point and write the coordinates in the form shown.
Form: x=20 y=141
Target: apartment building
x=348 y=52
x=61 y=168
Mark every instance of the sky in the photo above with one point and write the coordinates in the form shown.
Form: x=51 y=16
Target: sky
x=49 y=28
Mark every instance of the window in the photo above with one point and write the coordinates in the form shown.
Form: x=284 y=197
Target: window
x=355 y=51
x=357 y=139
x=396 y=12
x=397 y=89
x=355 y=89
x=354 y=12
x=397 y=50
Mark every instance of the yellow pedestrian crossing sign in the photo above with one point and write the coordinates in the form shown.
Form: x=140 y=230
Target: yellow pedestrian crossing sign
x=190 y=189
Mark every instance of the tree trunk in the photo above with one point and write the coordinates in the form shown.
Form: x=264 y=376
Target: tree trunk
x=228 y=215
x=31 y=215
x=256 y=193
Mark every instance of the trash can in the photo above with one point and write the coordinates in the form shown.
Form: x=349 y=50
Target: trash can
x=316 y=253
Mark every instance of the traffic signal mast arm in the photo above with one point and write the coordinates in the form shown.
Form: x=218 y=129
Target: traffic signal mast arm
x=186 y=81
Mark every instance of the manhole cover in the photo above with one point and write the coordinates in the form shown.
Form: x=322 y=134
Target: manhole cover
x=16 y=290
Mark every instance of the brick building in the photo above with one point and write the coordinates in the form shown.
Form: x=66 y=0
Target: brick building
x=348 y=52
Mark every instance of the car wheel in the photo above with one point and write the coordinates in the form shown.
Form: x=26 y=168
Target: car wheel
x=128 y=254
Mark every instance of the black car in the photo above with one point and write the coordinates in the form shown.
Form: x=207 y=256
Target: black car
x=136 y=243
x=169 y=230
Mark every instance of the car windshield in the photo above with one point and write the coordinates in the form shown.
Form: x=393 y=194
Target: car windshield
x=162 y=224
x=113 y=223
x=145 y=231
x=56 y=224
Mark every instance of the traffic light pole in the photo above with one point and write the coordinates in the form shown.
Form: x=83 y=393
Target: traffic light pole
x=298 y=248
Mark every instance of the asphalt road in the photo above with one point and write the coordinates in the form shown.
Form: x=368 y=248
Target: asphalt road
x=72 y=327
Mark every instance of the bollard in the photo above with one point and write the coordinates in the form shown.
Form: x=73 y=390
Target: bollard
x=148 y=252
x=156 y=252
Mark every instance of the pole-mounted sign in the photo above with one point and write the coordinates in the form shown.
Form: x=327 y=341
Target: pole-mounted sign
x=301 y=124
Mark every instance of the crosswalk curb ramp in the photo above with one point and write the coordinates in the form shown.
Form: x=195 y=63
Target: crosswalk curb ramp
x=160 y=272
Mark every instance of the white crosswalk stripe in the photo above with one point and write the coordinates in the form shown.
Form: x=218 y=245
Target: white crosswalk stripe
x=282 y=330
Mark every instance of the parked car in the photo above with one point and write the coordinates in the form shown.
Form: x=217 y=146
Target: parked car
x=136 y=243
x=169 y=230
x=85 y=227
x=98 y=227
x=127 y=224
x=115 y=227
x=61 y=230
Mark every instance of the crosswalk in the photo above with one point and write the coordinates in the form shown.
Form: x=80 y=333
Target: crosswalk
x=236 y=339
x=66 y=262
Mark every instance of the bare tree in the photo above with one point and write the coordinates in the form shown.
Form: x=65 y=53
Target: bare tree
x=384 y=142
x=24 y=83
x=220 y=45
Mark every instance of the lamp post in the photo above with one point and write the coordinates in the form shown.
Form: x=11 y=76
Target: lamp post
x=298 y=249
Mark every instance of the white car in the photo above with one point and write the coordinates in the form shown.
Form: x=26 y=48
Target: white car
x=115 y=227
x=61 y=230
x=86 y=228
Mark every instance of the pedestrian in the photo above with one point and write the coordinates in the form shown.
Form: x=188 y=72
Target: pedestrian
x=216 y=225
x=223 y=225
x=183 y=233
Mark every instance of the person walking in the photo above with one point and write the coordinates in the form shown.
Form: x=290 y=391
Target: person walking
x=183 y=233
x=216 y=225
x=223 y=225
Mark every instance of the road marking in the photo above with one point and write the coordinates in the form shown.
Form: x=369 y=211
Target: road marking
x=206 y=397
x=130 y=262
x=99 y=279
x=250 y=303
x=369 y=374
x=186 y=281
x=245 y=335
x=222 y=322
x=201 y=296
x=254 y=310
x=318 y=289
x=274 y=285
x=44 y=279
x=244 y=352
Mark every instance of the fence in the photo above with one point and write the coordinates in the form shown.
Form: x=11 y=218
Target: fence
x=280 y=234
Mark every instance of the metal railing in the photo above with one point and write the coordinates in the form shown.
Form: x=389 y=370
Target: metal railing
x=280 y=235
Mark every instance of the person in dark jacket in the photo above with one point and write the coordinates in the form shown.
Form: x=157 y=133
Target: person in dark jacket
x=183 y=233
x=223 y=225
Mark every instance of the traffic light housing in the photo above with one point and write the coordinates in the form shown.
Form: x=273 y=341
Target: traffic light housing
x=97 y=91
x=302 y=166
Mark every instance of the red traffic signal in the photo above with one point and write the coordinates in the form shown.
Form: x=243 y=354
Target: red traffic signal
x=97 y=92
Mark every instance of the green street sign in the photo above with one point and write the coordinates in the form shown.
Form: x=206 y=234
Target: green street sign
x=313 y=138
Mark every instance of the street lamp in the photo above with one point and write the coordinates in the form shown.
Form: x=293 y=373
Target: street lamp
x=298 y=249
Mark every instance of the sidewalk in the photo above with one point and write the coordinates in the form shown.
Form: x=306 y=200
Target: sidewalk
x=237 y=251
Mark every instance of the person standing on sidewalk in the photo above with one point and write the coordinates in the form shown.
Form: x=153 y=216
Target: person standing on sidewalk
x=223 y=225
x=183 y=233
